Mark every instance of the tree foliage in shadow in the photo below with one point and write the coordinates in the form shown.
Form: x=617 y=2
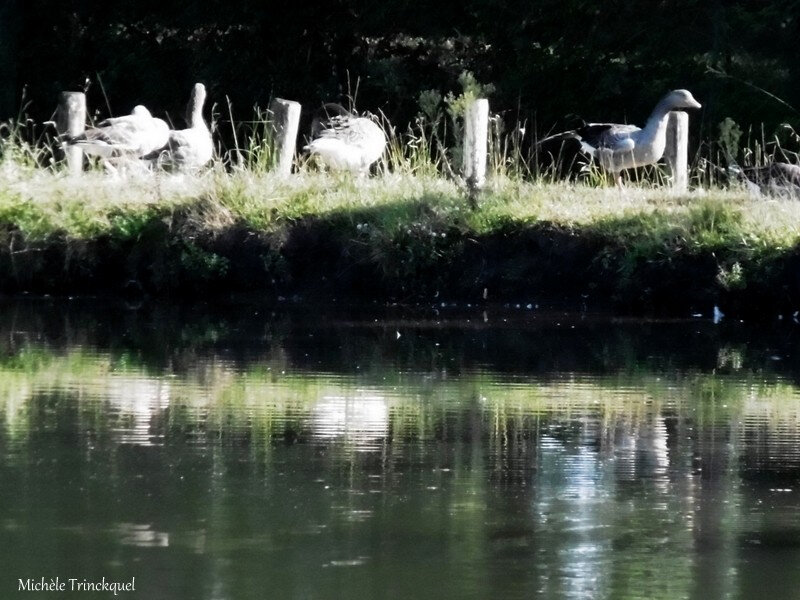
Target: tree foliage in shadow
x=547 y=59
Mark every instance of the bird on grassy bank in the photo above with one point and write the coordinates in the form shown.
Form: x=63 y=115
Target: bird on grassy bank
x=617 y=147
x=187 y=149
x=131 y=136
x=777 y=179
x=344 y=141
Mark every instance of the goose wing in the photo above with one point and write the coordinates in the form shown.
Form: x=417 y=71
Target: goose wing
x=109 y=138
x=326 y=118
x=347 y=142
x=609 y=136
x=185 y=149
x=358 y=132
x=138 y=134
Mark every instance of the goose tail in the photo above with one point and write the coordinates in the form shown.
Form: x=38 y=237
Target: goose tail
x=559 y=137
x=100 y=148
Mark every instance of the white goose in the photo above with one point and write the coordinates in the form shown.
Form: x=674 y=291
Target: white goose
x=130 y=136
x=779 y=178
x=192 y=148
x=344 y=141
x=618 y=147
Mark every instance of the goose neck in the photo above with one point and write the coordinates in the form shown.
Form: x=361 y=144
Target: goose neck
x=194 y=110
x=196 y=115
x=658 y=119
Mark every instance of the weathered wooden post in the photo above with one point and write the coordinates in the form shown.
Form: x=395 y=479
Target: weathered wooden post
x=476 y=142
x=285 y=123
x=71 y=122
x=677 y=150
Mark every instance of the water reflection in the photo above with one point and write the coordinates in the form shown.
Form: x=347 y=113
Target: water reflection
x=141 y=535
x=135 y=401
x=362 y=419
x=216 y=456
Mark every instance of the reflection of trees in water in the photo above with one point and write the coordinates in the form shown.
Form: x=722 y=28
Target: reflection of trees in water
x=579 y=464
x=338 y=340
x=576 y=485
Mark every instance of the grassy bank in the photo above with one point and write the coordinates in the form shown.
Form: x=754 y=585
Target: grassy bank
x=397 y=238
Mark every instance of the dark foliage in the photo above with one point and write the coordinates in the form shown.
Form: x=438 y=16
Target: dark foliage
x=547 y=59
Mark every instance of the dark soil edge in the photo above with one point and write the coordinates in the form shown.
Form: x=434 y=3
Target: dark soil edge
x=317 y=258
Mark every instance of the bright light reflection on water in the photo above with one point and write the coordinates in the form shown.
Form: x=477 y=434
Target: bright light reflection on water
x=257 y=453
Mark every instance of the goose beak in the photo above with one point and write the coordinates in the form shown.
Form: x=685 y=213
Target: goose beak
x=694 y=104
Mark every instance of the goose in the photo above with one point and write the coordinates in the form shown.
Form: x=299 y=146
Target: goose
x=617 y=147
x=192 y=148
x=129 y=136
x=345 y=141
x=778 y=178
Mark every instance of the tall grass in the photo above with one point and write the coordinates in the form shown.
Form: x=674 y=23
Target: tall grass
x=26 y=145
x=430 y=146
x=716 y=161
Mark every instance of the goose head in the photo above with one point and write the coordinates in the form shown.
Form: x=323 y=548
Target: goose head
x=141 y=111
x=677 y=99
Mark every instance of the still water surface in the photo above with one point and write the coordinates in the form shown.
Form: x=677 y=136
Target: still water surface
x=260 y=452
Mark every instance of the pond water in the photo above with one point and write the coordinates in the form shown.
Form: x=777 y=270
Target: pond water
x=247 y=451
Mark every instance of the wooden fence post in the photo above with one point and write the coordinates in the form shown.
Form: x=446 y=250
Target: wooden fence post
x=677 y=150
x=476 y=141
x=285 y=124
x=71 y=121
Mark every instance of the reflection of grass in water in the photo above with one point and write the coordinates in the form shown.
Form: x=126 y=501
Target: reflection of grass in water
x=31 y=370
x=218 y=402
x=270 y=399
